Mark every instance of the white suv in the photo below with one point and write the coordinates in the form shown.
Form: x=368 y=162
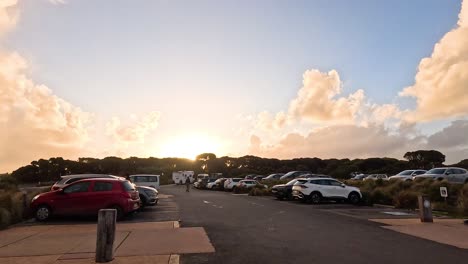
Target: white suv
x=230 y=183
x=250 y=184
x=317 y=189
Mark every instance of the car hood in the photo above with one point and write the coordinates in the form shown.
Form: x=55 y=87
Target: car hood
x=142 y=188
x=399 y=176
x=48 y=194
x=279 y=186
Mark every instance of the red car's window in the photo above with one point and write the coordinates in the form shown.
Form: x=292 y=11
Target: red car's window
x=77 y=187
x=102 y=186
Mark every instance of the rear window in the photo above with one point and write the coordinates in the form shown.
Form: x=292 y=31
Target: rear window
x=236 y=180
x=102 y=186
x=128 y=186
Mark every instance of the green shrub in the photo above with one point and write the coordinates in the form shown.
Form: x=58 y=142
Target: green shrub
x=462 y=202
x=406 y=199
x=238 y=190
x=259 y=192
x=381 y=196
x=5 y=218
x=366 y=198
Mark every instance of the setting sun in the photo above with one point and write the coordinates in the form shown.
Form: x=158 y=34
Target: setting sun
x=189 y=146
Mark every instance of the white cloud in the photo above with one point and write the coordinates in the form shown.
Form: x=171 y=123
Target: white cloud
x=440 y=86
x=57 y=2
x=318 y=100
x=132 y=133
x=35 y=122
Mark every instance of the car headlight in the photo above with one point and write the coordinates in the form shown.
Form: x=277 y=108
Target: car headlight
x=35 y=198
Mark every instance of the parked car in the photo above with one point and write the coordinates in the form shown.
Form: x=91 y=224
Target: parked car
x=230 y=183
x=258 y=177
x=451 y=174
x=293 y=174
x=87 y=197
x=249 y=184
x=68 y=179
x=149 y=180
x=148 y=196
x=318 y=189
x=284 y=191
x=211 y=184
x=359 y=177
x=219 y=184
x=274 y=176
x=197 y=184
x=376 y=177
x=407 y=175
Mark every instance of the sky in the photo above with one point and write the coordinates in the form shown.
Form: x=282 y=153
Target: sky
x=327 y=79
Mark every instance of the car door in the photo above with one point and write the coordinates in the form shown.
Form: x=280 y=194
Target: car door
x=458 y=176
x=336 y=189
x=326 y=189
x=101 y=195
x=451 y=175
x=73 y=200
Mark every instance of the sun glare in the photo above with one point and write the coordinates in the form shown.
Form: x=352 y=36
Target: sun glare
x=189 y=146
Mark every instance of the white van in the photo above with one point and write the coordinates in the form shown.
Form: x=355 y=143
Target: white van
x=149 y=180
x=179 y=177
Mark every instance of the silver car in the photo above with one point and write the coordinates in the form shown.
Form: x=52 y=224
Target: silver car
x=65 y=180
x=407 y=175
x=451 y=174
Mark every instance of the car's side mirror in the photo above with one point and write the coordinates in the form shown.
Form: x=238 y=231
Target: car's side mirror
x=343 y=185
x=61 y=191
x=447 y=173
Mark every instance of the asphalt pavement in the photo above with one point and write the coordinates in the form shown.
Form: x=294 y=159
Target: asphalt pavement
x=245 y=229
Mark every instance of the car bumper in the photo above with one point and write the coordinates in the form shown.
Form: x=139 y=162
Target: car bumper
x=298 y=195
x=152 y=201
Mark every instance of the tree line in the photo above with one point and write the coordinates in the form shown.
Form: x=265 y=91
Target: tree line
x=43 y=170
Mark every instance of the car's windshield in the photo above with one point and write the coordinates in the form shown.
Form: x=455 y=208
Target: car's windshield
x=406 y=172
x=436 y=171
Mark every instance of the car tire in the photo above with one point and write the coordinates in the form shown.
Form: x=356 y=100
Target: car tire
x=354 y=198
x=315 y=197
x=43 y=213
x=119 y=210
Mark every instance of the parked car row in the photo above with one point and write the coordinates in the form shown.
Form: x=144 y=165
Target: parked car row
x=303 y=186
x=451 y=174
x=86 y=194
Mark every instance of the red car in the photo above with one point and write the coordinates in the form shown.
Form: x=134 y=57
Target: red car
x=86 y=197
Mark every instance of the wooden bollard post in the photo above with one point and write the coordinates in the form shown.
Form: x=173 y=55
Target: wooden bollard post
x=425 y=210
x=105 y=235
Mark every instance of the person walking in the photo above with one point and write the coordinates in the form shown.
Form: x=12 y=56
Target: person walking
x=187 y=184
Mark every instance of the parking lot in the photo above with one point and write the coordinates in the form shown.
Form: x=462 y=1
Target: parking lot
x=246 y=229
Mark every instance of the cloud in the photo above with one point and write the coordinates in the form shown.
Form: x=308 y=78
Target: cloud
x=132 y=133
x=452 y=136
x=440 y=86
x=8 y=15
x=374 y=140
x=339 y=141
x=318 y=99
x=35 y=123
x=57 y=2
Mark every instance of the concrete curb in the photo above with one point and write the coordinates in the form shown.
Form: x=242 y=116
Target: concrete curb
x=174 y=259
